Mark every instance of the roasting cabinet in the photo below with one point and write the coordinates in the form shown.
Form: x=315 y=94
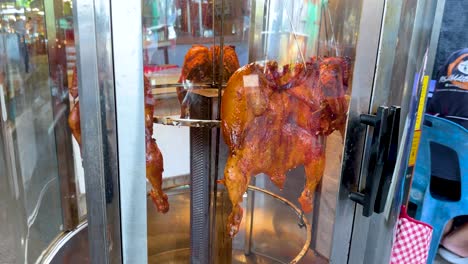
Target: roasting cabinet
x=209 y=131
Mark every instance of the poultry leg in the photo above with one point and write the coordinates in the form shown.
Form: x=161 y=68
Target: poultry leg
x=314 y=170
x=154 y=158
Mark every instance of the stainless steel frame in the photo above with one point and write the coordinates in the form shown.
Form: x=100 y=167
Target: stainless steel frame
x=99 y=133
x=364 y=69
x=407 y=27
x=128 y=67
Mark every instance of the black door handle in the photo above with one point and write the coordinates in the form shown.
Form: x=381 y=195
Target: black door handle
x=382 y=159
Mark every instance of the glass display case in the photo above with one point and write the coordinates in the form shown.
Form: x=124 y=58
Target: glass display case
x=40 y=182
x=213 y=131
x=258 y=57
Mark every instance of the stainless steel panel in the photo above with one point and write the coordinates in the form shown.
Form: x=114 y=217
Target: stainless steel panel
x=96 y=87
x=404 y=42
x=364 y=67
x=128 y=69
x=383 y=74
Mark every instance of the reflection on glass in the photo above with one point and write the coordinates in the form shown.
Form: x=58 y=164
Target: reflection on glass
x=33 y=104
x=284 y=71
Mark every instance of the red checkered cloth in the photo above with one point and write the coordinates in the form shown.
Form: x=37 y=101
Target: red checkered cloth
x=412 y=240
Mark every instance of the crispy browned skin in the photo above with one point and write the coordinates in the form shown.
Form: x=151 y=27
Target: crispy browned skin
x=198 y=69
x=74 y=122
x=197 y=66
x=74 y=85
x=230 y=62
x=154 y=158
x=280 y=124
x=74 y=116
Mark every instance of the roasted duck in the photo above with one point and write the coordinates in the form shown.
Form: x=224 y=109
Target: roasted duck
x=274 y=121
x=203 y=65
x=154 y=158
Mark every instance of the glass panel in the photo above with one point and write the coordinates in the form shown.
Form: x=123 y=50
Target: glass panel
x=66 y=24
x=310 y=105
x=284 y=71
x=36 y=140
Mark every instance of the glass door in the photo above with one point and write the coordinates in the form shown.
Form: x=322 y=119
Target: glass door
x=38 y=196
x=249 y=101
x=401 y=65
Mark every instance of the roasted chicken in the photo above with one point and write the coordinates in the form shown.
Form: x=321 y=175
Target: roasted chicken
x=74 y=116
x=274 y=121
x=202 y=65
x=154 y=158
x=74 y=122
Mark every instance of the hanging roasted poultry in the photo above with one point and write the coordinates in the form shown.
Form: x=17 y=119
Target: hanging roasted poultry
x=154 y=158
x=202 y=65
x=274 y=121
x=74 y=116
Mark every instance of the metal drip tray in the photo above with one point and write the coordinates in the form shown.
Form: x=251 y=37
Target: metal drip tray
x=278 y=235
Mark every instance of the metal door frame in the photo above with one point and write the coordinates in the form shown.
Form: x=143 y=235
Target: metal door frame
x=364 y=71
x=404 y=38
x=113 y=137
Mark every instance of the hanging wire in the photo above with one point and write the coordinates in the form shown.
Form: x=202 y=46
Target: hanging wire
x=319 y=30
x=295 y=39
x=326 y=21
x=267 y=31
x=333 y=40
x=324 y=17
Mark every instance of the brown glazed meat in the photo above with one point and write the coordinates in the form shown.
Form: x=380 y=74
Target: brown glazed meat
x=275 y=121
x=74 y=122
x=198 y=69
x=154 y=158
x=74 y=116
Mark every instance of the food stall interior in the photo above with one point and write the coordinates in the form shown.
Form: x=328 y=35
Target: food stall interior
x=209 y=131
